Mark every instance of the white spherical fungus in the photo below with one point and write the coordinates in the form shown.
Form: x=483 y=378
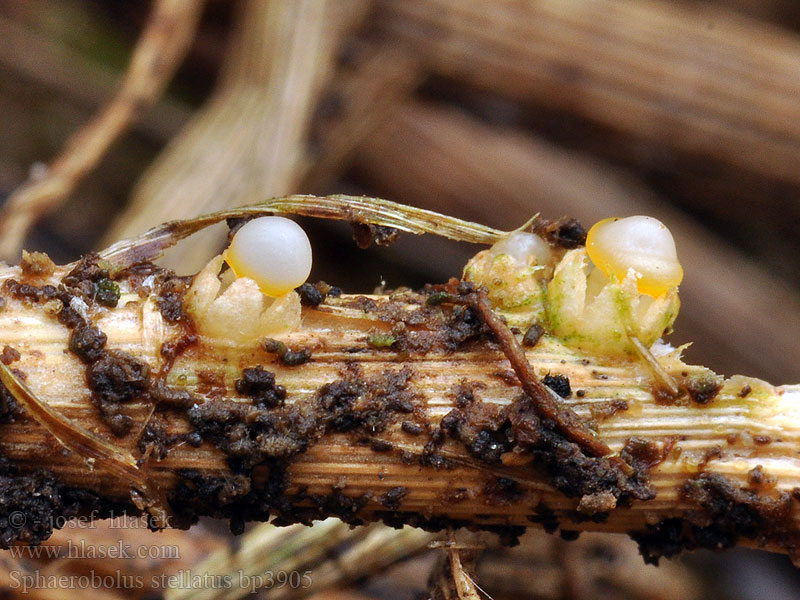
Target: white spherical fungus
x=639 y=244
x=524 y=248
x=273 y=251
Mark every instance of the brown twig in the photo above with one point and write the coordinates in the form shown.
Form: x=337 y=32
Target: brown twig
x=547 y=406
x=247 y=142
x=160 y=49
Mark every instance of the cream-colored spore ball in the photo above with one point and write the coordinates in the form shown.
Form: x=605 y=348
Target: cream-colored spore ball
x=641 y=244
x=273 y=251
x=524 y=248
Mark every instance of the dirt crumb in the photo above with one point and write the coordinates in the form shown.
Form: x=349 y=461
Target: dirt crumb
x=393 y=498
x=9 y=355
x=87 y=343
x=704 y=388
x=289 y=357
x=114 y=379
x=154 y=440
x=36 y=264
x=564 y=233
x=312 y=294
x=259 y=385
x=366 y=234
x=599 y=502
x=605 y=410
x=559 y=384
x=533 y=335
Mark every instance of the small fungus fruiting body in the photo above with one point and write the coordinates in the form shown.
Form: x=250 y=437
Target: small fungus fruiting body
x=526 y=249
x=642 y=244
x=514 y=271
x=270 y=256
x=623 y=284
x=272 y=251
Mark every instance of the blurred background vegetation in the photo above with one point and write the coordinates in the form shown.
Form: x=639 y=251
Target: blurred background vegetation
x=687 y=110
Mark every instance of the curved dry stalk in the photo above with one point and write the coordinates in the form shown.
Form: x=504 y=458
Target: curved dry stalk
x=356 y=209
x=163 y=44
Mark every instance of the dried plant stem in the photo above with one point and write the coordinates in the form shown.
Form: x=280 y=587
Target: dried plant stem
x=248 y=141
x=159 y=51
x=728 y=93
x=330 y=551
x=748 y=424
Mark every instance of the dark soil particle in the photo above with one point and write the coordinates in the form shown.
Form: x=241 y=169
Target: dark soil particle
x=23 y=291
x=290 y=358
x=312 y=294
x=725 y=512
x=154 y=440
x=394 y=497
x=570 y=470
x=434 y=459
x=758 y=478
x=762 y=440
x=466 y=392
x=170 y=290
x=745 y=391
x=32 y=504
x=366 y=234
x=411 y=428
x=169 y=398
x=605 y=410
x=9 y=355
x=87 y=343
x=704 y=388
x=215 y=496
x=481 y=427
x=380 y=445
x=114 y=416
x=559 y=384
x=564 y=233
x=533 y=335
x=643 y=455
x=423 y=329
x=116 y=378
x=90 y=269
x=259 y=385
